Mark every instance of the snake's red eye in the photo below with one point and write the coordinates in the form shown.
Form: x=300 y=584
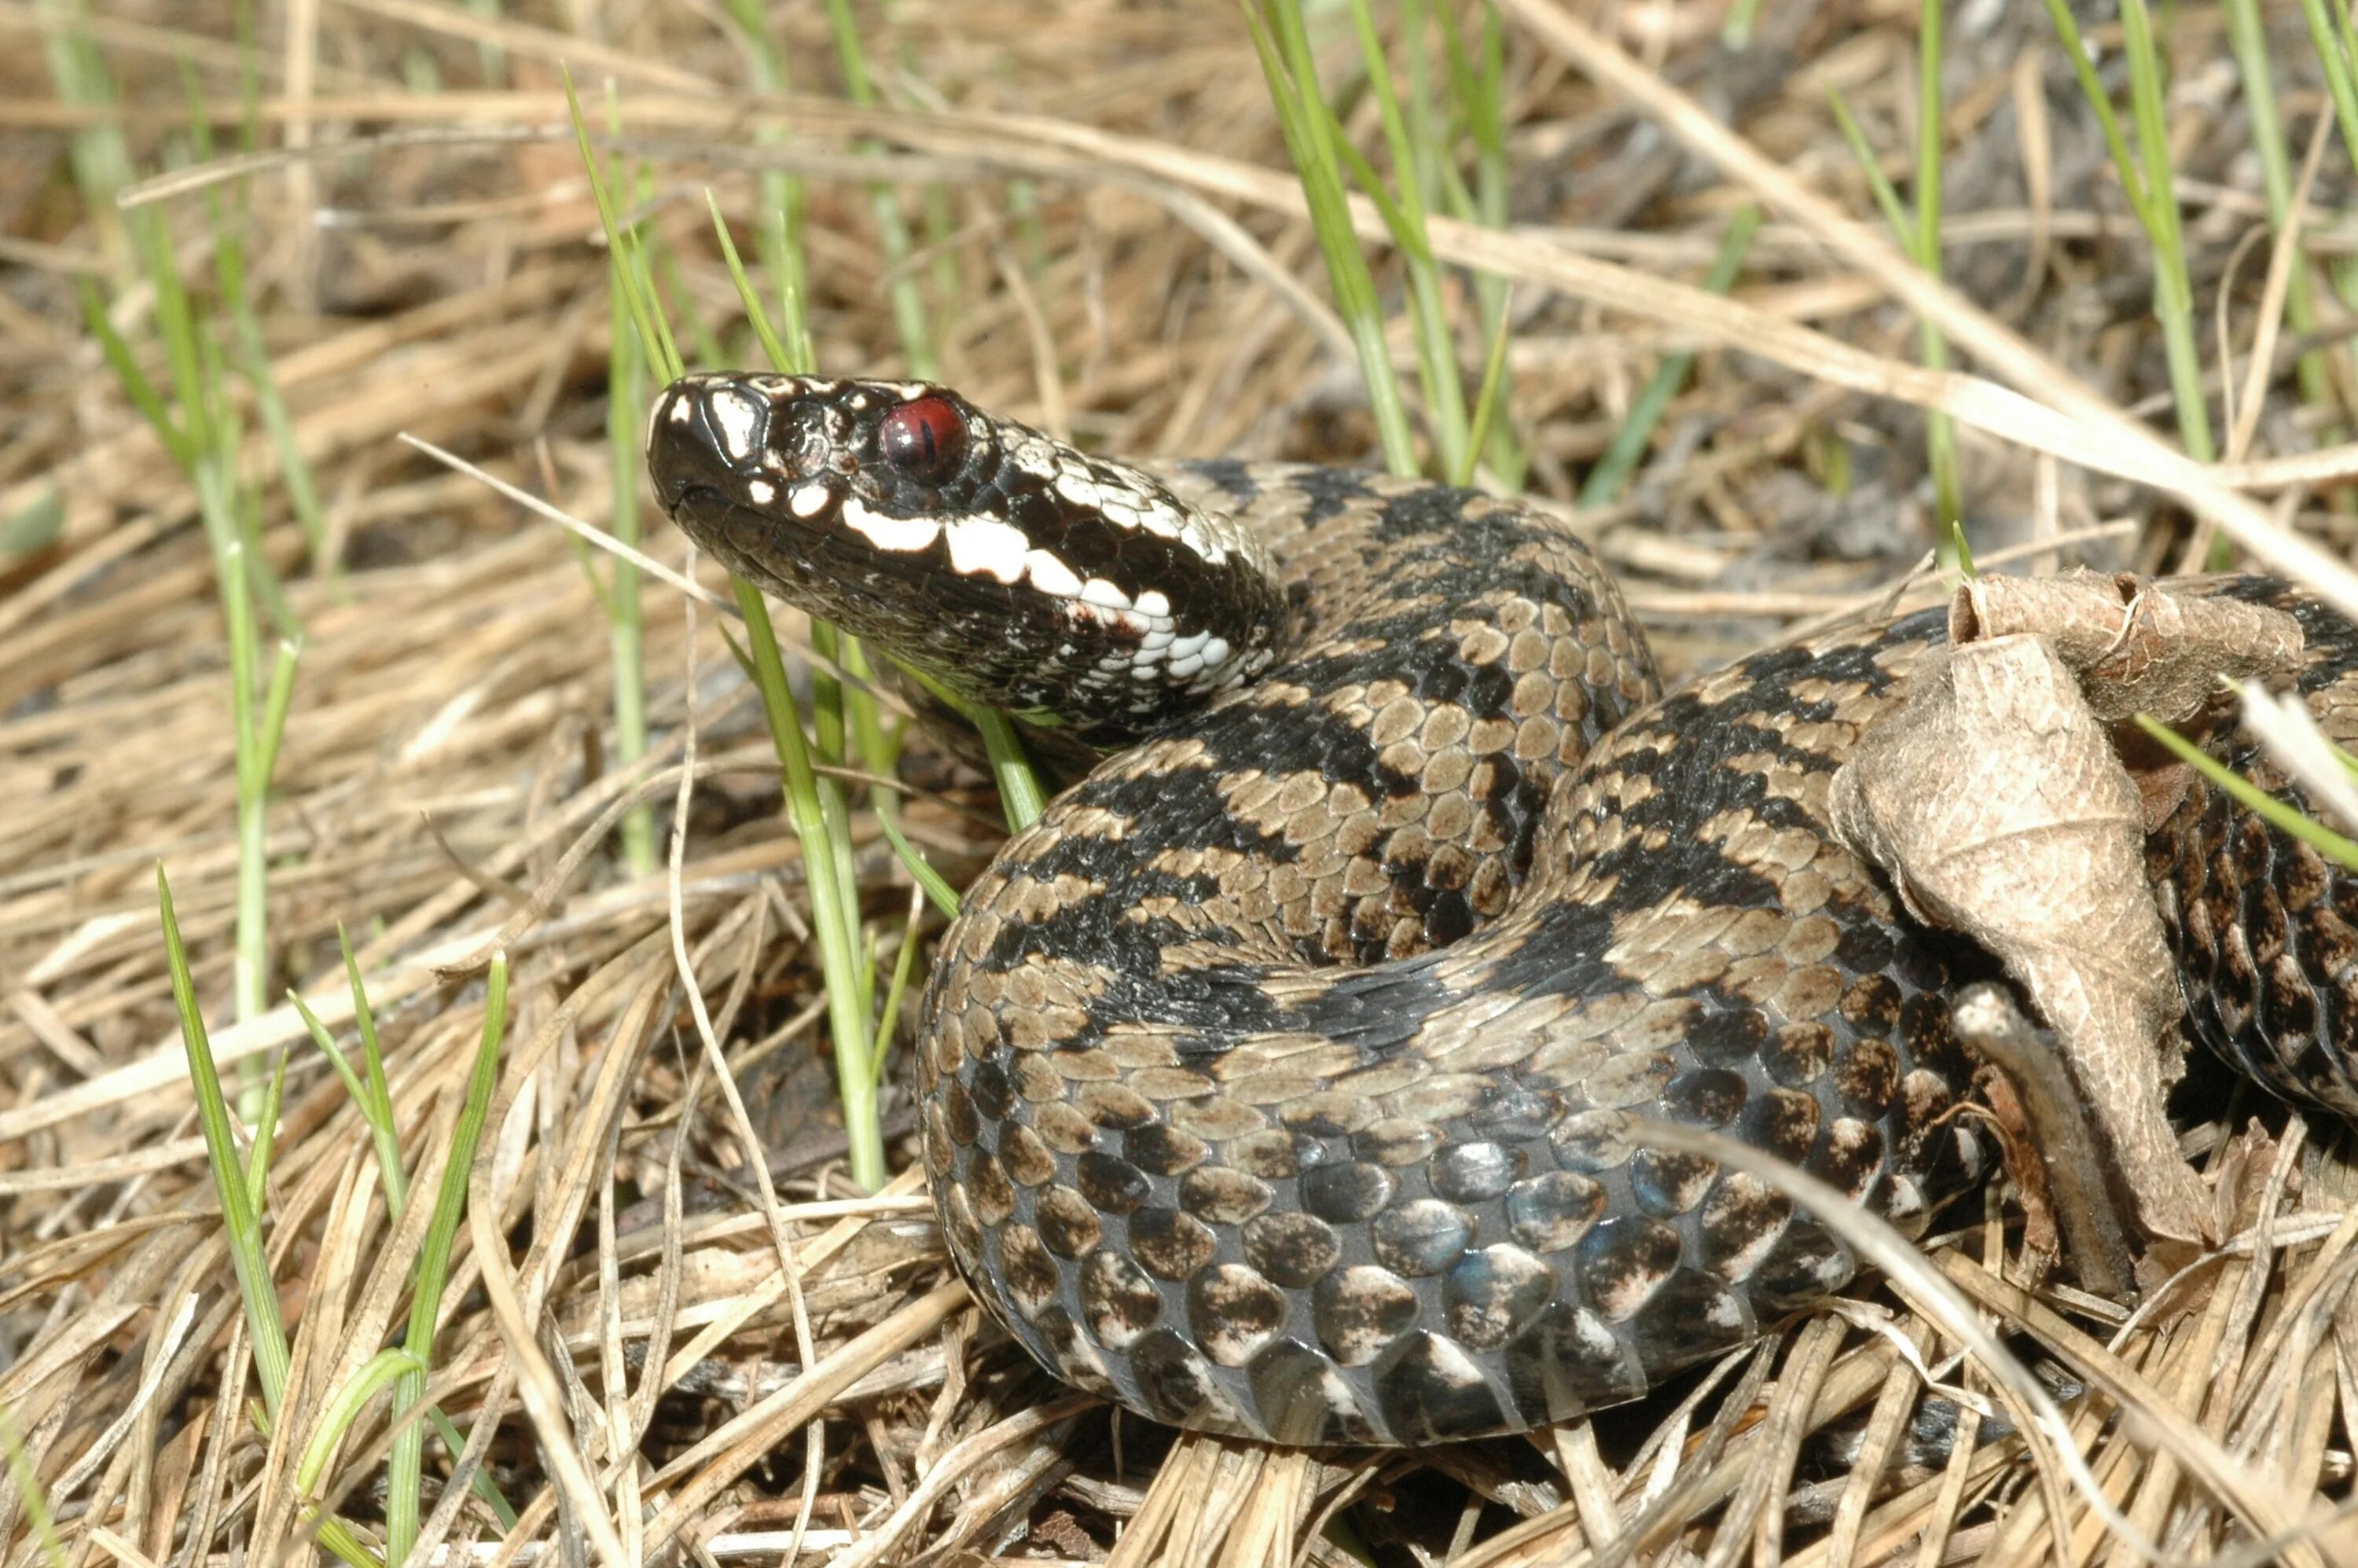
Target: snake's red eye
x=925 y=439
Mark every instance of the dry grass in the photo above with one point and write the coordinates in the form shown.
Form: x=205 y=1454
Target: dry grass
x=446 y=782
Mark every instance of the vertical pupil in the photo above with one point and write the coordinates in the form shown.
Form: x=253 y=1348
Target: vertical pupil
x=925 y=439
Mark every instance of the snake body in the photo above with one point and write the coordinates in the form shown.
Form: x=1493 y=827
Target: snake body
x=1274 y=1080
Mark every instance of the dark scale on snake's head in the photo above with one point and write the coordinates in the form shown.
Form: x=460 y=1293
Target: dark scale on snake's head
x=1281 y=1080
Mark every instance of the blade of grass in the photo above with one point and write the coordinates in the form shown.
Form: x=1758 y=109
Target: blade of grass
x=1611 y=475
x=1307 y=127
x=1436 y=348
x=1478 y=100
x=406 y=1466
x=343 y=1407
x=2334 y=59
x=834 y=906
x=828 y=875
x=902 y=967
x=43 y=1529
x=257 y=1291
x=1485 y=402
x=484 y=1487
x=253 y=366
x=100 y=155
x=625 y=417
x=936 y=887
x=892 y=228
x=1918 y=231
x=366 y=1085
x=2247 y=34
x=1939 y=432
x=1019 y=795
x=266 y=1132
x=2146 y=177
x=2251 y=797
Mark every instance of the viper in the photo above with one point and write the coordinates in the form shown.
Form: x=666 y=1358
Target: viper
x=1277 y=1079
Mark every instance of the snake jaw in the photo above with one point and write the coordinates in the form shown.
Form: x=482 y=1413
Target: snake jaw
x=1018 y=572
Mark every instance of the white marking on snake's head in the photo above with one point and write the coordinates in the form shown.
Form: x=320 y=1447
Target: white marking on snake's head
x=1153 y=601
x=1103 y=594
x=1032 y=454
x=761 y=492
x=984 y=547
x=1049 y=573
x=809 y=500
x=1078 y=489
x=737 y=420
x=901 y=534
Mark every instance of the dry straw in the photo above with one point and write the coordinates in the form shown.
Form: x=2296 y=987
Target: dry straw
x=652 y=1347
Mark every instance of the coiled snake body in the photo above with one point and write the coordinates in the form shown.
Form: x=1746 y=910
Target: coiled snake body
x=1269 y=1080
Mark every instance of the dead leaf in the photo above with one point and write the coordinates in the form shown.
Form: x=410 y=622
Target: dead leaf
x=1997 y=803
x=2136 y=648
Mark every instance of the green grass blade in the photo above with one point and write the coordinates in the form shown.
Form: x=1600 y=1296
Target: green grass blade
x=891 y=227
x=265 y=1133
x=382 y=1133
x=1611 y=475
x=834 y=904
x=133 y=381
x=2100 y=102
x=903 y=965
x=2251 y=797
x=2336 y=62
x=294 y=469
x=257 y=1291
x=772 y=344
x=407 y=1464
x=1485 y=402
x=275 y=702
x=2248 y=36
x=1895 y=212
x=43 y=1527
x=1939 y=432
x=936 y=887
x=2173 y=289
x=654 y=335
x=344 y=1406
x=100 y=155
x=484 y=1486
x=1284 y=52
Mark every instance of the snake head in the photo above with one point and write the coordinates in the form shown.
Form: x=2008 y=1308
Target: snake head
x=1014 y=569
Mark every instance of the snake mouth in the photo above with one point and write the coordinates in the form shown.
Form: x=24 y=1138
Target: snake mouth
x=693 y=498
x=707 y=444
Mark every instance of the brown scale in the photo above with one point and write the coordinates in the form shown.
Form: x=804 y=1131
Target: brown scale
x=1277 y=1081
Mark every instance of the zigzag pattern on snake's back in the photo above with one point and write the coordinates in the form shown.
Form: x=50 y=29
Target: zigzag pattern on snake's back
x=1272 y=1080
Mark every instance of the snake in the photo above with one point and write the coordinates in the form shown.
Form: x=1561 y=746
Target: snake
x=1279 y=1080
